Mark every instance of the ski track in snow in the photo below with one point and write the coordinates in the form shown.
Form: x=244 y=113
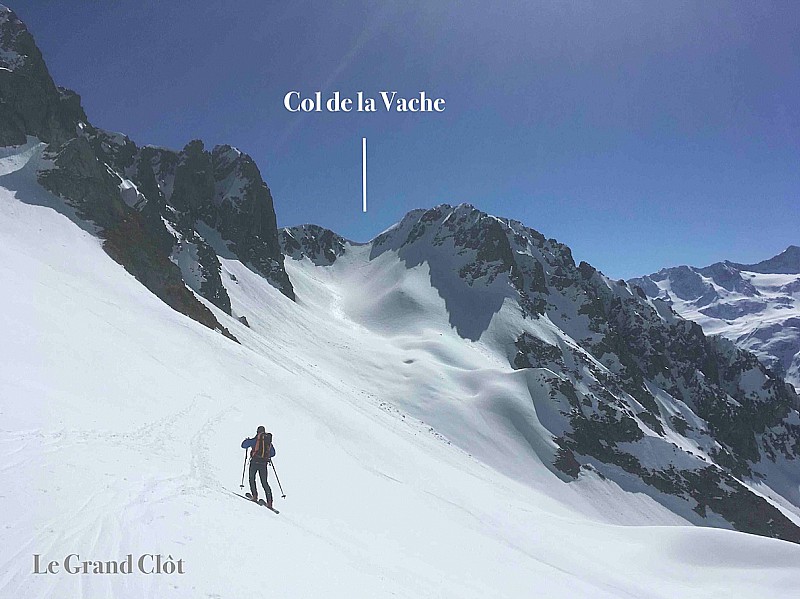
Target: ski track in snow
x=120 y=424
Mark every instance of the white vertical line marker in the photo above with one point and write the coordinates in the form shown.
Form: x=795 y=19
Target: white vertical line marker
x=363 y=174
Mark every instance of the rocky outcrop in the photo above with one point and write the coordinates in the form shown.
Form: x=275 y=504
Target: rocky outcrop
x=30 y=103
x=132 y=244
x=164 y=215
x=140 y=244
x=242 y=212
x=220 y=193
x=321 y=246
x=619 y=388
x=85 y=183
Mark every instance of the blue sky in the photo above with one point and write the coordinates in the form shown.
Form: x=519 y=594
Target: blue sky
x=642 y=134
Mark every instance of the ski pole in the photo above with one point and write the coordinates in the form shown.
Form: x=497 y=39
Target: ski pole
x=244 y=466
x=278 y=479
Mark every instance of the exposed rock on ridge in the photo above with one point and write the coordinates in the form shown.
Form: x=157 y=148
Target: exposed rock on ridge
x=321 y=246
x=165 y=215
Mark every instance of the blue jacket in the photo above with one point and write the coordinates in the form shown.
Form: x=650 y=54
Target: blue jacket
x=248 y=443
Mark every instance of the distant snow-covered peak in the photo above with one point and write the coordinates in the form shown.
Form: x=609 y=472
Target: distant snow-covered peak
x=757 y=306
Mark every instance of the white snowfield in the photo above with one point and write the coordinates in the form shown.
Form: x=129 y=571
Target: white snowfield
x=121 y=419
x=769 y=326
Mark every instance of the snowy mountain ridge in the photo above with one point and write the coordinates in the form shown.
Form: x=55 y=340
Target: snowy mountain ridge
x=627 y=382
x=757 y=306
x=786 y=263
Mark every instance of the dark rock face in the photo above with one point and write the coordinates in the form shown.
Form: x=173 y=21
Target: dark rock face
x=244 y=215
x=139 y=244
x=130 y=243
x=194 y=181
x=149 y=204
x=85 y=182
x=30 y=103
x=222 y=189
x=321 y=246
x=211 y=286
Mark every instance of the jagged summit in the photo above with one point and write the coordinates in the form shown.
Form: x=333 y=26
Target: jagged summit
x=15 y=41
x=461 y=215
x=31 y=103
x=320 y=245
x=463 y=244
x=786 y=262
x=164 y=215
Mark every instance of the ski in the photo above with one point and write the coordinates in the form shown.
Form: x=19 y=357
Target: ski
x=264 y=503
x=260 y=502
x=247 y=497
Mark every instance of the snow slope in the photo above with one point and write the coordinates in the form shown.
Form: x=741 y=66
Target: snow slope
x=120 y=423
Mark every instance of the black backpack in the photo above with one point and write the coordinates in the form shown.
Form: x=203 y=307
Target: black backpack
x=260 y=448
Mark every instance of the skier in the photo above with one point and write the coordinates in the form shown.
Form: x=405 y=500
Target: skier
x=260 y=453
